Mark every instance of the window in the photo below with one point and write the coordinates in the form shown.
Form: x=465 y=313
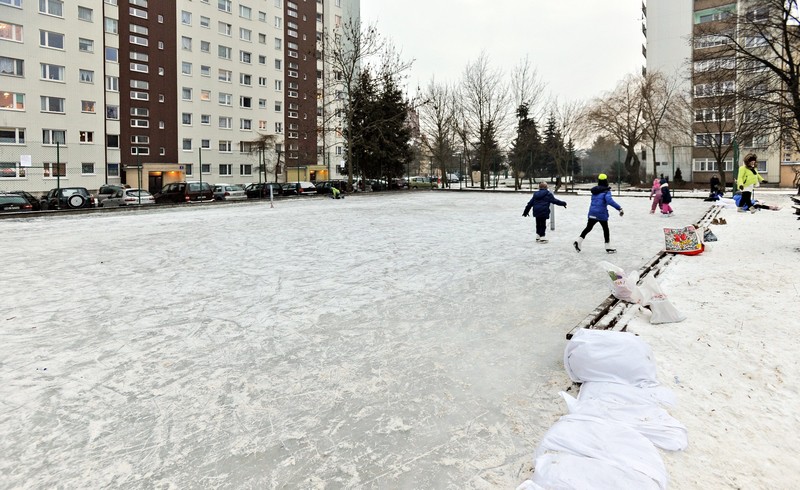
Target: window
x=88 y=106
x=142 y=14
x=225 y=146
x=224 y=5
x=52 y=104
x=713 y=114
x=86 y=76
x=186 y=93
x=112 y=141
x=205 y=144
x=52 y=72
x=186 y=17
x=225 y=99
x=187 y=144
x=245 y=79
x=12 y=101
x=225 y=75
x=205 y=46
x=205 y=71
x=140 y=123
x=52 y=169
x=225 y=169
x=245 y=12
x=112 y=112
x=205 y=119
x=278 y=64
x=140 y=150
x=279 y=127
x=278 y=43
x=140 y=111
x=12 y=67
x=112 y=84
x=224 y=52
x=10 y=32
x=710 y=165
x=205 y=22
x=112 y=54
x=278 y=106
x=86 y=136
x=86 y=45
x=49 y=39
x=278 y=85
x=245 y=169
x=111 y=25
x=186 y=118
x=12 y=136
x=205 y=95
x=112 y=169
x=245 y=34
x=245 y=57
x=710 y=41
x=224 y=28
x=186 y=43
x=186 y=68
x=52 y=7
x=137 y=95
x=246 y=124
x=140 y=140
x=225 y=122
x=142 y=41
x=53 y=136
x=205 y=168
x=262 y=81
x=262 y=103
x=262 y=39
x=85 y=13
x=11 y=3
x=713 y=139
x=245 y=102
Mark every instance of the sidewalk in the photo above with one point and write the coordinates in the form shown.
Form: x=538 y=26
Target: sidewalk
x=733 y=363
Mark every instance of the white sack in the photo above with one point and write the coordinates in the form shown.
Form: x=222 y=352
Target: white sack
x=649 y=420
x=606 y=355
x=529 y=485
x=625 y=394
x=564 y=471
x=663 y=311
x=611 y=442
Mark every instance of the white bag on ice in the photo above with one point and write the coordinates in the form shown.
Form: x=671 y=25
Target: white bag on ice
x=654 y=298
x=623 y=284
x=607 y=441
x=606 y=355
x=564 y=471
x=626 y=394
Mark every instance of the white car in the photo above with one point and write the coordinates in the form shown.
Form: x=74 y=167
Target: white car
x=128 y=197
x=229 y=192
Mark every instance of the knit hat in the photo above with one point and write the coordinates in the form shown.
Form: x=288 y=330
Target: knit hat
x=602 y=179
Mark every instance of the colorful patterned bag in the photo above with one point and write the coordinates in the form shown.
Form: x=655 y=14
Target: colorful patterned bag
x=683 y=241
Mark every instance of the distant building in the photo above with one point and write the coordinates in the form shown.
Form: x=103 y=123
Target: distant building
x=146 y=92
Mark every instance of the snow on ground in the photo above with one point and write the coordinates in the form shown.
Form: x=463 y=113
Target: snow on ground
x=408 y=340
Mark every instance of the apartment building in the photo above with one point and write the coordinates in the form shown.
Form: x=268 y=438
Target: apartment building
x=681 y=39
x=149 y=92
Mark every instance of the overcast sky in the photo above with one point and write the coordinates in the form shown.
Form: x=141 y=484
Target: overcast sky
x=579 y=48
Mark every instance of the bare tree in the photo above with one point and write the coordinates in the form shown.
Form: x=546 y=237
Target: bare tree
x=619 y=115
x=437 y=123
x=528 y=88
x=351 y=49
x=663 y=110
x=485 y=100
x=568 y=116
x=269 y=157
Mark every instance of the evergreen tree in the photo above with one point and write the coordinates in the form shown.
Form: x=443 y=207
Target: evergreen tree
x=553 y=147
x=526 y=150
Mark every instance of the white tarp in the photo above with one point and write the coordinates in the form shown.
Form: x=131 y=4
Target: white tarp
x=649 y=420
x=605 y=355
x=625 y=394
x=607 y=441
x=564 y=471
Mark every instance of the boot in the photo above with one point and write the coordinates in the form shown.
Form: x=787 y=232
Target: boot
x=541 y=239
x=577 y=244
x=610 y=249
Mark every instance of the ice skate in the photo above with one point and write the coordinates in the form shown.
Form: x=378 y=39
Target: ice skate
x=541 y=239
x=577 y=244
x=610 y=249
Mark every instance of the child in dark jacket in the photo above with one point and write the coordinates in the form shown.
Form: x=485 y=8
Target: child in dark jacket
x=598 y=213
x=666 y=198
x=540 y=203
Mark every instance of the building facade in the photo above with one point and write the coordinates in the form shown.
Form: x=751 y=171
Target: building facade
x=148 y=92
x=681 y=38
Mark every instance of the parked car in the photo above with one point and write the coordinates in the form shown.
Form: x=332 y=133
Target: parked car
x=453 y=179
x=179 y=192
x=107 y=191
x=13 y=203
x=298 y=189
x=34 y=201
x=68 y=198
x=261 y=190
x=400 y=183
x=420 y=182
x=229 y=192
x=129 y=197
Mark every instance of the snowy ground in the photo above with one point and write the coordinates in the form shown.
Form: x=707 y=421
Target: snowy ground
x=409 y=340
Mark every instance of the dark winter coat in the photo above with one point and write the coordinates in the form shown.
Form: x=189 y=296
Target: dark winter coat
x=666 y=196
x=540 y=202
x=601 y=199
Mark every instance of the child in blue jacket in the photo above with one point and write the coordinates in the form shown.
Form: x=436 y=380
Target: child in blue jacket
x=540 y=202
x=598 y=213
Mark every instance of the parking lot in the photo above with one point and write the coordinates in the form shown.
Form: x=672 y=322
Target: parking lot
x=405 y=340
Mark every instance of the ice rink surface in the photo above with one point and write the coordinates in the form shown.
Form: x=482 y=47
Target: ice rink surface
x=405 y=340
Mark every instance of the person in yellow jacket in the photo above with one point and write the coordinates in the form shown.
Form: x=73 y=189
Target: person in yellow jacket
x=748 y=179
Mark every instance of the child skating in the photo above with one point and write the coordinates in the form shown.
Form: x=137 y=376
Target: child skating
x=666 y=198
x=540 y=202
x=598 y=213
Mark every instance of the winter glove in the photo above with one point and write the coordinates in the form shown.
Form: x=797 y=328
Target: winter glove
x=621 y=212
x=565 y=205
x=525 y=214
x=741 y=187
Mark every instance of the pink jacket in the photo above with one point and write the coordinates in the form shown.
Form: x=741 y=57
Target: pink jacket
x=656 y=190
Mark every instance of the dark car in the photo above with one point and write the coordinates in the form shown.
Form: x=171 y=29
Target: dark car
x=13 y=203
x=180 y=192
x=298 y=189
x=261 y=190
x=68 y=198
x=34 y=201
